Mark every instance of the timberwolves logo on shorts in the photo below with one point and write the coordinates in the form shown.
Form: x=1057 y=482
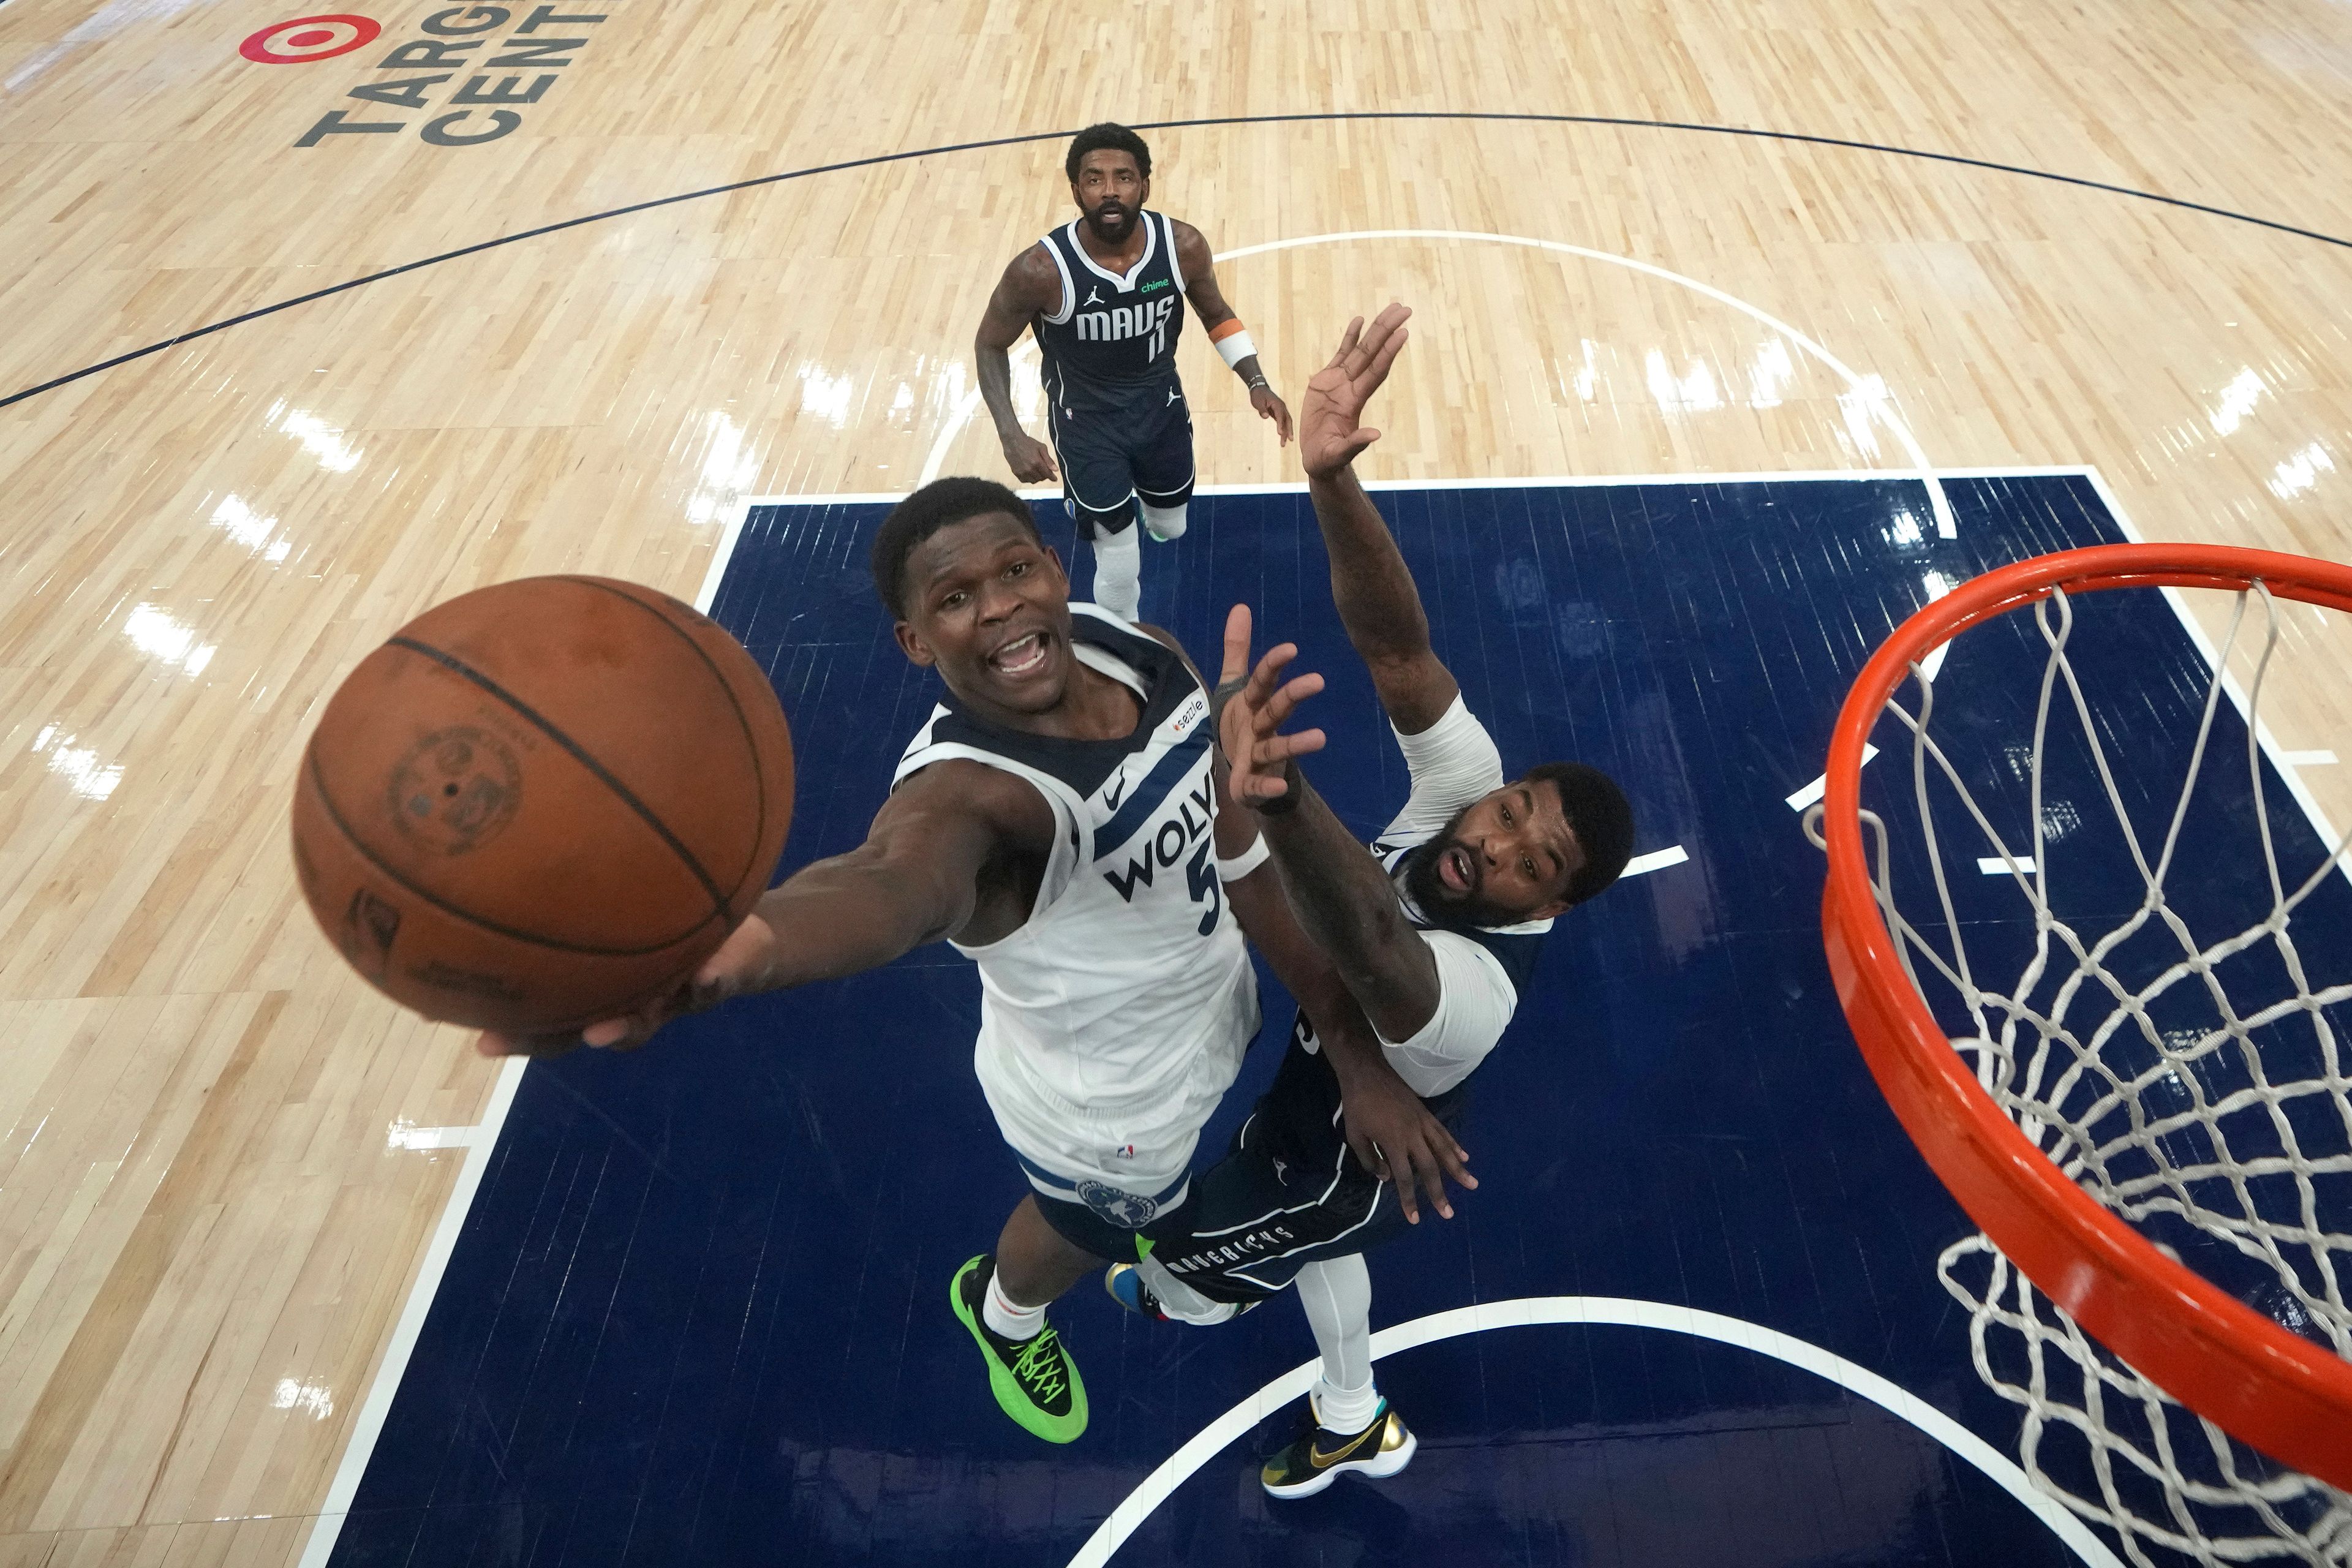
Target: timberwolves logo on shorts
x=1129 y=1211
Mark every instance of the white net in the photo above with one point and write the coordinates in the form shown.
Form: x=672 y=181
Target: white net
x=2174 y=1052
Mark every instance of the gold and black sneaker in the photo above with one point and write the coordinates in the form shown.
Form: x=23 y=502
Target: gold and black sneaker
x=1035 y=1380
x=1320 y=1456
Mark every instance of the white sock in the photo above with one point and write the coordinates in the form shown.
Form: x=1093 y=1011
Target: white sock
x=1007 y=1318
x=1338 y=1297
x=1345 y=1410
x=1180 y=1300
x=1118 y=572
x=1166 y=522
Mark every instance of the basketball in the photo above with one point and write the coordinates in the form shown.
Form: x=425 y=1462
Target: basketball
x=542 y=804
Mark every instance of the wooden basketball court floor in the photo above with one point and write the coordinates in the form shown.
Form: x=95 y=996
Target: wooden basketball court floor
x=1642 y=240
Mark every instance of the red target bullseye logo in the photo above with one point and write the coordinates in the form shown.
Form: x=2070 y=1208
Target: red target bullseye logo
x=307 y=38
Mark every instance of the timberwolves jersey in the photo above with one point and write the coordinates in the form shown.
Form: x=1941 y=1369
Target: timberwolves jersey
x=1115 y=1018
x=1114 y=338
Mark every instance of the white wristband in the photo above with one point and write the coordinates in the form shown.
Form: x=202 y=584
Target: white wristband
x=1242 y=864
x=1235 y=347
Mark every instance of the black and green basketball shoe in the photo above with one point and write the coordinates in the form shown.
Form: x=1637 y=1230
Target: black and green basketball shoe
x=1034 y=1379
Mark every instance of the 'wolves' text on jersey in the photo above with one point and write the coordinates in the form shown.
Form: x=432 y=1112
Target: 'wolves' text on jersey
x=1113 y=1019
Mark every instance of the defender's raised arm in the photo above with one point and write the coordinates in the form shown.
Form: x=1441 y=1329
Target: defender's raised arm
x=1375 y=594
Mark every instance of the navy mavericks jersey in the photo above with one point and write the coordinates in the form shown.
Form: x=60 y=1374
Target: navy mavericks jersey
x=1514 y=947
x=1114 y=338
x=1301 y=1111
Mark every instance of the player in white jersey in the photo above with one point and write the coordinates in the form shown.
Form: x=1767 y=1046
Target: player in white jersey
x=1433 y=935
x=1113 y=1019
x=1055 y=819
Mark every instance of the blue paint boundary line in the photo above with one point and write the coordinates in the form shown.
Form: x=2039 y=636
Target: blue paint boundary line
x=1403 y=114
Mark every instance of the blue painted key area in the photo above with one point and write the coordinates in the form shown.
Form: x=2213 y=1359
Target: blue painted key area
x=698 y=1310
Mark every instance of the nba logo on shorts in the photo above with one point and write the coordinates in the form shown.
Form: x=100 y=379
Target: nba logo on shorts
x=1130 y=1211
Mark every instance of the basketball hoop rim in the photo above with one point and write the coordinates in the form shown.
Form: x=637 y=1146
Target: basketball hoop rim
x=2283 y=1395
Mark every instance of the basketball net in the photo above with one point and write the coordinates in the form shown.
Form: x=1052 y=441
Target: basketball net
x=2225 y=1135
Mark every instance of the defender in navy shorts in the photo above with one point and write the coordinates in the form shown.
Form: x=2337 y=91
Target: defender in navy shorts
x=1431 y=939
x=1104 y=295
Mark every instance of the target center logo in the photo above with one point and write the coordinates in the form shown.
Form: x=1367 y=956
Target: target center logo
x=473 y=71
x=307 y=38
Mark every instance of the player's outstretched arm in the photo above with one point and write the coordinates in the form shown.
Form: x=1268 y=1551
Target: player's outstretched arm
x=1224 y=328
x=1338 y=893
x=1377 y=600
x=916 y=879
x=1030 y=287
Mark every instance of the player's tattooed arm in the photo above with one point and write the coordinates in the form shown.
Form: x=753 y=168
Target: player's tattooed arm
x=1373 y=591
x=1339 y=895
x=1199 y=265
x=1344 y=901
x=953 y=852
x=1031 y=287
x=1390 y=1129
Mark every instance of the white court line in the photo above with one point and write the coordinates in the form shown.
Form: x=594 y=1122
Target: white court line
x=1656 y=861
x=1994 y=866
x=1686 y=479
x=2307 y=759
x=409 y=1137
x=1618 y=1312
x=368 y=1426
x=708 y=594
x=1820 y=786
x=478 y=1141
x=1871 y=391
x=843 y=498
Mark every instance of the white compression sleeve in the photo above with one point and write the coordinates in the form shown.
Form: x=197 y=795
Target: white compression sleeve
x=1166 y=522
x=1118 y=572
x=1338 y=1296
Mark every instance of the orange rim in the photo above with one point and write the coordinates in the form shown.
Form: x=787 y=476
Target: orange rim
x=2280 y=1394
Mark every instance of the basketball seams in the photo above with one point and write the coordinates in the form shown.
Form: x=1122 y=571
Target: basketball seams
x=750 y=740
x=327 y=802
x=578 y=752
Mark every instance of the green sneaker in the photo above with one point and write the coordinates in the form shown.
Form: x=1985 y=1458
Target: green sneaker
x=1320 y=1456
x=1035 y=1380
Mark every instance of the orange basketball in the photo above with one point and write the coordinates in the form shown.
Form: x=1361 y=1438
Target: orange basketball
x=542 y=804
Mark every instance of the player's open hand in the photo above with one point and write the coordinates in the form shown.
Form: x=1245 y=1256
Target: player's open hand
x=1032 y=461
x=1394 y=1134
x=1255 y=710
x=1330 y=437
x=1270 y=405
x=743 y=963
